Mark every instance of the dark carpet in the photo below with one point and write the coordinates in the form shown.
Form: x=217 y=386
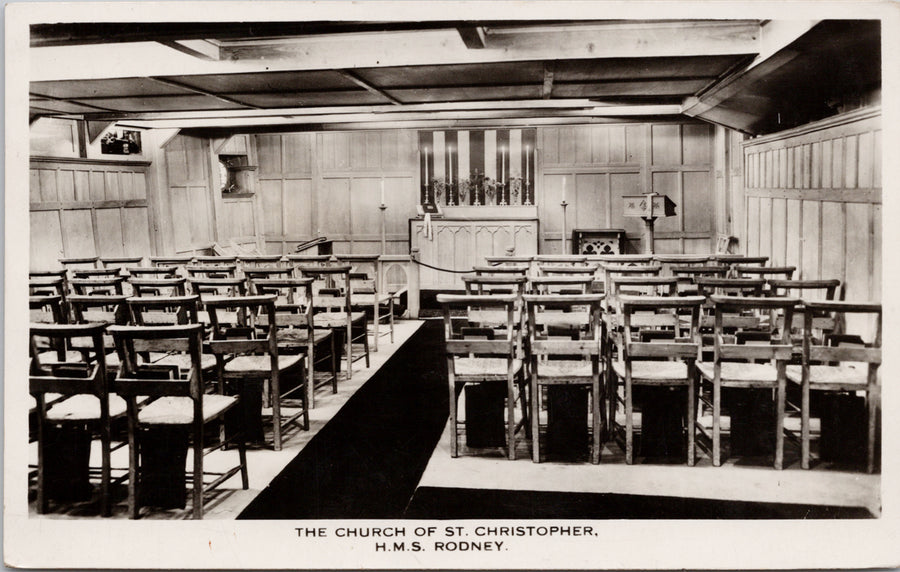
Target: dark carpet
x=366 y=462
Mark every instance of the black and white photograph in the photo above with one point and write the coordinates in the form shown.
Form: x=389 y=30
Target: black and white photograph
x=450 y=285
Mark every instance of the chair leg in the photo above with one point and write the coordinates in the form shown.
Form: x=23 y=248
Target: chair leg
x=391 y=316
x=349 y=349
x=366 y=339
x=105 y=470
x=43 y=504
x=690 y=422
x=133 y=460
x=872 y=419
x=629 y=421
x=716 y=432
x=454 y=438
x=242 y=454
x=511 y=417
x=595 y=415
x=197 y=488
x=334 y=365
x=779 y=417
x=376 y=314
x=276 y=407
x=804 y=425
x=535 y=417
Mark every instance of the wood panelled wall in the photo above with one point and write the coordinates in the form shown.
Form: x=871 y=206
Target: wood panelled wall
x=83 y=207
x=329 y=184
x=813 y=200
x=601 y=163
x=189 y=201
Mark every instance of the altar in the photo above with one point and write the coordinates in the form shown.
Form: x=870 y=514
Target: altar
x=464 y=235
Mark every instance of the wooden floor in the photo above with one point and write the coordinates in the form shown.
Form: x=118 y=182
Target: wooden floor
x=734 y=480
x=228 y=500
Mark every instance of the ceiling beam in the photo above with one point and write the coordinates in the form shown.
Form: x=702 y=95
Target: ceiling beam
x=71 y=102
x=334 y=118
x=200 y=49
x=368 y=86
x=472 y=36
x=411 y=48
x=570 y=103
x=180 y=85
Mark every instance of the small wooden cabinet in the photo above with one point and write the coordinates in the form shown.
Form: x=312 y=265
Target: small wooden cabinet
x=598 y=241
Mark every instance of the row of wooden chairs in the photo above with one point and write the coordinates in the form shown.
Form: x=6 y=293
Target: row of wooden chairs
x=659 y=341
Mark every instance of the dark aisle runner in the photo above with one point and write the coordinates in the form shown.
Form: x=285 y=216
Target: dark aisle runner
x=366 y=462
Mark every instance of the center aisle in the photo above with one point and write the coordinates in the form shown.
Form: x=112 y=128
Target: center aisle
x=366 y=462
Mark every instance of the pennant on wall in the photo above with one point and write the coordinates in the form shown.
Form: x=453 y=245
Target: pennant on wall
x=477 y=167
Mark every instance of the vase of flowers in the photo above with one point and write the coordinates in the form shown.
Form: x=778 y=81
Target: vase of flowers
x=515 y=188
x=439 y=186
x=464 y=191
x=490 y=190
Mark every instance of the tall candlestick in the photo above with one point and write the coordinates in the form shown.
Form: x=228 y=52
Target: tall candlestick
x=382 y=191
x=450 y=173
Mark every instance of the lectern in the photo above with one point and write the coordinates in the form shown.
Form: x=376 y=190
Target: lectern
x=648 y=207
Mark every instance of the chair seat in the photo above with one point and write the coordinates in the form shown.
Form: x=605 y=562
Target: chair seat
x=744 y=372
x=336 y=319
x=183 y=361
x=53 y=357
x=180 y=410
x=260 y=363
x=488 y=368
x=844 y=375
x=49 y=399
x=653 y=370
x=565 y=369
x=301 y=335
x=84 y=408
x=368 y=299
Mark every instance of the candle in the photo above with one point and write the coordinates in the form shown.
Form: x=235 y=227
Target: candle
x=527 y=153
x=450 y=176
x=426 y=166
x=502 y=164
x=564 y=190
x=382 y=191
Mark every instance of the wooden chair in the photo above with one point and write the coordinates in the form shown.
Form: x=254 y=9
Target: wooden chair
x=258 y=260
x=565 y=349
x=81 y=262
x=218 y=287
x=729 y=286
x=840 y=368
x=54 y=284
x=805 y=289
x=265 y=272
x=366 y=277
x=151 y=272
x=179 y=261
x=253 y=360
x=611 y=271
x=87 y=400
x=211 y=270
x=735 y=365
x=765 y=272
x=294 y=312
x=163 y=310
x=332 y=292
x=687 y=276
x=96 y=272
x=104 y=310
x=562 y=259
x=639 y=360
x=622 y=259
x=567 y=269
x=215 y=260
x=310 y=260
x=120 y=262
x=669 y=260
x=158 y=286
x=731 y=260
x=501 y=284
x=507 y=260
x=501 y=270
x=97 y=286
x=478 y=355
x=573 y=284
x=179 y=400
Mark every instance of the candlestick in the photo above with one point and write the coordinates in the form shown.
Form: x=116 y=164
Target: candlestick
x=382 y=190
x=383 y=208
x=563 y=204
x=450 y=175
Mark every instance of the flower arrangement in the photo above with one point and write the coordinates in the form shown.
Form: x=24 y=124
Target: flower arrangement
x=438 y=187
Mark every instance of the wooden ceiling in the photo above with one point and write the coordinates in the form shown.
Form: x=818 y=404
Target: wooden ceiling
x=740 y=73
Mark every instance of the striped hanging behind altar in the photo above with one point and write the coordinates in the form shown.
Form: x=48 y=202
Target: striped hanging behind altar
x=477 y=167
